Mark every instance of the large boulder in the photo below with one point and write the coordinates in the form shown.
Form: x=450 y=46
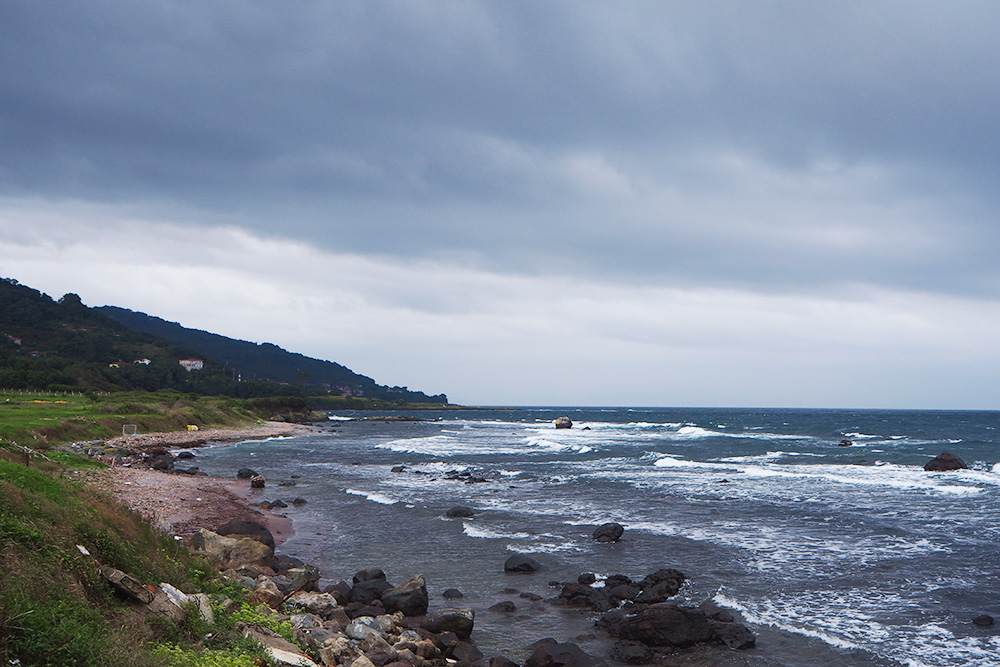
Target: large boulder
x=409 y=597
x=520 y=563
x=609 y=532
x=230 y=553
x=944 y=461
x=459 y=621
x=563 y=422
x=252 y=529
x=666 y=624
x=550 y=653
x=245 y=473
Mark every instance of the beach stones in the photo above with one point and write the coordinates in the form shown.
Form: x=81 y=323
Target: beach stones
x=944 y=461
x=521 y=564
x=229 y=553
x=257 y=482
x=410 y=597
x=247 y=528
x=609 y=532
x=459 y=621
x=563 y=422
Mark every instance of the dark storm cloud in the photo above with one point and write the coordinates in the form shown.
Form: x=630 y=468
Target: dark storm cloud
x=755 y=144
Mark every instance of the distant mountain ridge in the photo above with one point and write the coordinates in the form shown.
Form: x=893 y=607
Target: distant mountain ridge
x=266 y=361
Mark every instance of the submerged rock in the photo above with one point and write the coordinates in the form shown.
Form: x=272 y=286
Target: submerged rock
x=609 y=532
x=521 y=564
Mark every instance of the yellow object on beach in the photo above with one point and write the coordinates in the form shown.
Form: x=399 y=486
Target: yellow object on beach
x=192 y=427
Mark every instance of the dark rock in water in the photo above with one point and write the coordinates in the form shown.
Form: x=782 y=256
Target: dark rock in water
x=617 y=580
x=279 y=503
x=983 y=621
x=550 y=653
x=460 y=512
x=459 y=621
x=465 y=653
x=586 y=579
x=502 y=661
x=530 y=596
x=666 y=624
x=452 y=594
x=252 y=529
x=944 y=461
x=660 y=585
x=563 y=422
x=410 y=597
x=631 y=653
x=299 y=502
x=734 y=635
x=185 y=455
x=289 y=482
x=609 y=532
x=716 y=613
x=245 y=473
x=582 y=595
x=398 y=469
x=845 y=443
x=521 y=564
x=504 y=607
x=257 y=482
x=193 y=470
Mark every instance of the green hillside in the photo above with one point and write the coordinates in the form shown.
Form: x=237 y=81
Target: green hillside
x=62 y=345
x=267 y=361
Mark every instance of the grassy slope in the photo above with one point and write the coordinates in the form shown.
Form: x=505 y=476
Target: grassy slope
x=54 y=607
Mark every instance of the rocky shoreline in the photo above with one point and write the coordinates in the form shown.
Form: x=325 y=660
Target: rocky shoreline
x=368 y=621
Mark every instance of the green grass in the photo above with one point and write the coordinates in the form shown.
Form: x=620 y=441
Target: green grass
x=42 y=420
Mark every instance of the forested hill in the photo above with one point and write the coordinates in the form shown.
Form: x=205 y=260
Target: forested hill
x=265 y=361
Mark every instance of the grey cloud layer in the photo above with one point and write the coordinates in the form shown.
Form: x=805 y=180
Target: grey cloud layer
x=772 y=145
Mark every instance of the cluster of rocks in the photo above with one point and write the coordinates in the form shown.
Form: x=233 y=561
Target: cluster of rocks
x=452 y=475
x=640 y=615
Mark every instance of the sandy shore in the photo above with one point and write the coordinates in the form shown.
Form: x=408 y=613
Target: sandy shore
x=181 y=504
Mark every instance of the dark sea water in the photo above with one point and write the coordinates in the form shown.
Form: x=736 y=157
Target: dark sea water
x=832 y=555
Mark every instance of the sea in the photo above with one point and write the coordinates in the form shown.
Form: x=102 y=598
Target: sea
x=820 y=529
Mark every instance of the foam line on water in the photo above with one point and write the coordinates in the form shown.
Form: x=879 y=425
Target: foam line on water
x=379 y=498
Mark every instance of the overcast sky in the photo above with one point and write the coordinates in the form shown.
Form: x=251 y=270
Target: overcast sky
x=525 y=203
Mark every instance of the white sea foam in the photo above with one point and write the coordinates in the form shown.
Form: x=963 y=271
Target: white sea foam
x=338 y=418
x=763 y=619
x=475 y=530
x=373 y=497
